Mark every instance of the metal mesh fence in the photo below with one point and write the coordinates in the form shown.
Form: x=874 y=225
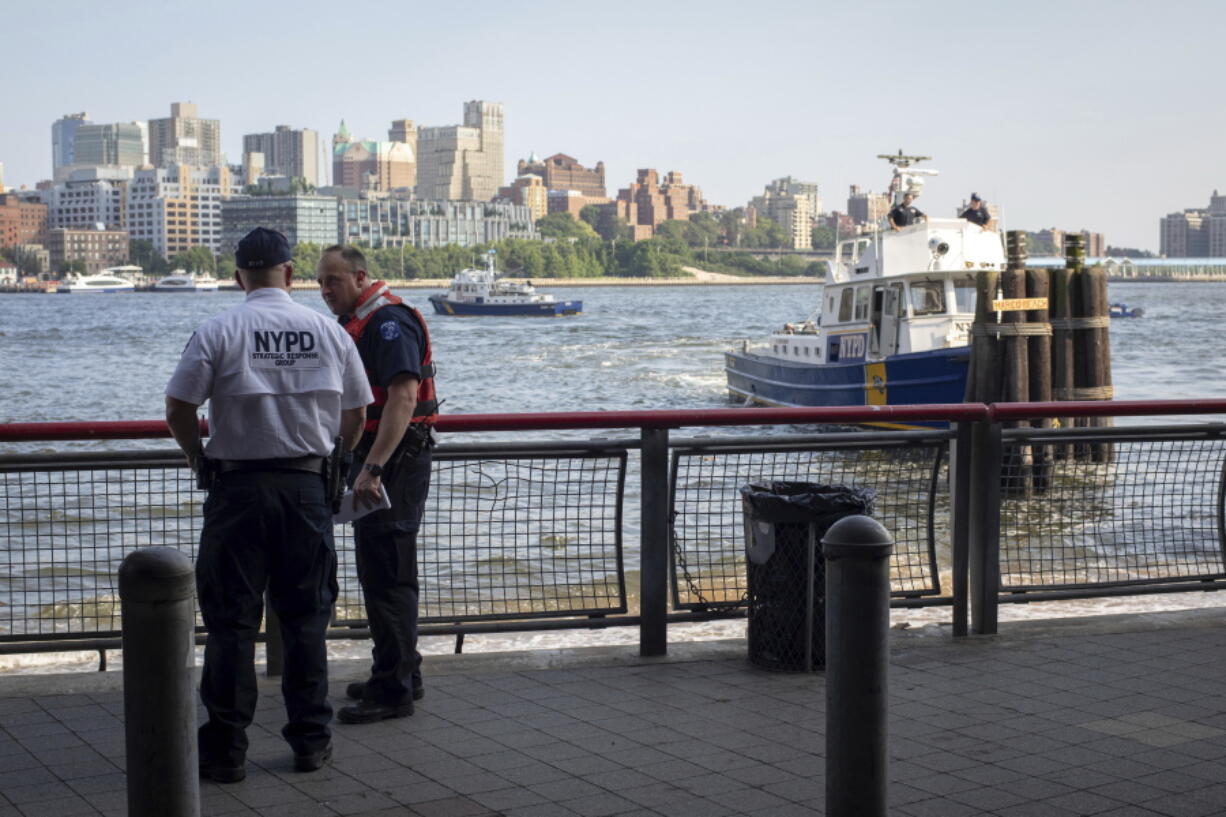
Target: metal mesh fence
x=708 y=534
x=517 y=536
x=1151 y=513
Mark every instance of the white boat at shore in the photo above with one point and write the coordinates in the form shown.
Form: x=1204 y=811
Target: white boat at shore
x=107 y=281
x=181 y=281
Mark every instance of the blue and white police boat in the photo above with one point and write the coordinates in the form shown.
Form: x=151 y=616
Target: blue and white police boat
x=485 y=292
x=893 y=324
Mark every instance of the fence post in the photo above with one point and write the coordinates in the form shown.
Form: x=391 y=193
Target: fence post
x=653 y=571
x=157 y=586
x=857 y=551
x=987 y=450
x=960 y=521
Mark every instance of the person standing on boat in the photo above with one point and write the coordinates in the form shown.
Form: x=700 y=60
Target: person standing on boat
x=393 y=455
x=282 y=382
x=905 y=214
x=977 y=212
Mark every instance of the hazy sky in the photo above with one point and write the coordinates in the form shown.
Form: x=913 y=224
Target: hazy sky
x=1096 y=115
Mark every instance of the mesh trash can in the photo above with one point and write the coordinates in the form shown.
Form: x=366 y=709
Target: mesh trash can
x=784 y=524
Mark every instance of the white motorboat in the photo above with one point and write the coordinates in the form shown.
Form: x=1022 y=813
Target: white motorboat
x=106 y=281
x=181 y=281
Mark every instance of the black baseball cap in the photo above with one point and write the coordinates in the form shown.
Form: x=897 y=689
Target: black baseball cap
x=262 y=248
x=975 y=197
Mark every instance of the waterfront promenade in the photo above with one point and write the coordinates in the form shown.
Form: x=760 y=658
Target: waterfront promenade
x=1117 y=715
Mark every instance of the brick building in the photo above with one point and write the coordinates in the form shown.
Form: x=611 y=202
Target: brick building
x=649 y=202
x=21 y=221
x=368 y=164
x=562 y=172
x=97 y=249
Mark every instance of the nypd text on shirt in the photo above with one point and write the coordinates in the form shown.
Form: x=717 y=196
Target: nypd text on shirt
x=283 y=349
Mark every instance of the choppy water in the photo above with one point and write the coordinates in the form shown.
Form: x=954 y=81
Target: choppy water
x=107 y=357
x=80 y=358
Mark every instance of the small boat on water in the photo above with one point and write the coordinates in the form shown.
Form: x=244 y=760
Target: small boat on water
x=485 y=292
x=892 y=326
x=1122 y=311
x=180 y=281
x=106 y=281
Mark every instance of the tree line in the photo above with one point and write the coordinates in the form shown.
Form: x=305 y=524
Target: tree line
x=596 y=244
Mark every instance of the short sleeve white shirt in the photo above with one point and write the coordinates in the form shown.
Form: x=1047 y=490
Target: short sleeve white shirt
x=276 y=375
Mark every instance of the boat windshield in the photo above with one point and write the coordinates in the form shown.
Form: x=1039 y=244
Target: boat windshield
x=964 y=296
x=927 y=298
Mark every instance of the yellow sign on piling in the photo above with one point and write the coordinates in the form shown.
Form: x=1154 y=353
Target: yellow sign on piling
x=1018 y=304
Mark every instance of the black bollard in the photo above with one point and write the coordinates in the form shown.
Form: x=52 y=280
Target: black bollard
x=157 y=586
x=857 y=551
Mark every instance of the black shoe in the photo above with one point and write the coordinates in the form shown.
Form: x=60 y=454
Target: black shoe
x=358 y=688
x=313 y=761
x=222 y=774
x=371 y=711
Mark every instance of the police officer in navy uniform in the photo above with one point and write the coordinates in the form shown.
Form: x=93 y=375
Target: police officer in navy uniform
x=904 y=214
x=977 y=212
x=282 y=382
x=394 y=455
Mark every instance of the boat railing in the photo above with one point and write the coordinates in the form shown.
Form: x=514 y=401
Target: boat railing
x=564 y=532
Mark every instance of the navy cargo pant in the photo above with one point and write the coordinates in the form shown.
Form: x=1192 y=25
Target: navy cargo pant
x=265 y=529
x=385 y=543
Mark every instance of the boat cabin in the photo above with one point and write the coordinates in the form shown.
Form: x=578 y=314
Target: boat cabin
x=894 y=293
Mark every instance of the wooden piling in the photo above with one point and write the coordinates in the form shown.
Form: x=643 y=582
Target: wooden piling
x=1018 y=459
x=1038 y=287
x=984 y=377
x=1060 y=315
x=1098 y=353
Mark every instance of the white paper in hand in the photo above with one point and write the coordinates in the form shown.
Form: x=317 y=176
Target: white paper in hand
x=350 y=510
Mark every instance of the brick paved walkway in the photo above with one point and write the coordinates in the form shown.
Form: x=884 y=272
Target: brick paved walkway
x=1121 y=717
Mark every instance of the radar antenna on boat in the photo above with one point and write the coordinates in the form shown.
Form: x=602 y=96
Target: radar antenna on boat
x=900 y=159
x=906 y=179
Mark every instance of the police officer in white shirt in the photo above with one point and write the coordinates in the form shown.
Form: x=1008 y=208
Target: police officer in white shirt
x=282 y=382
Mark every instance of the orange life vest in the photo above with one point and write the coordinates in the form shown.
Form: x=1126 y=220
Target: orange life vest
x=373 y=298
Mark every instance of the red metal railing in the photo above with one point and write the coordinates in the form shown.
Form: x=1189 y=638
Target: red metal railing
x=682 y=418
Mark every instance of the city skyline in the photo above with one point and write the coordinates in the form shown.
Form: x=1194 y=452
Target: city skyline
x=1092 y=116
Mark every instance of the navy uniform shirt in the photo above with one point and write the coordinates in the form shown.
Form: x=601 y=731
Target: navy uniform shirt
x=904 y=216
x=392 y=343
x=980 y=216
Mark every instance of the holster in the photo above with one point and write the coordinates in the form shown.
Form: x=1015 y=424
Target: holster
x=335 y=470
x=206 y=472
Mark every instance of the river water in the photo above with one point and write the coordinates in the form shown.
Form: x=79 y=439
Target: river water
x=107 y=357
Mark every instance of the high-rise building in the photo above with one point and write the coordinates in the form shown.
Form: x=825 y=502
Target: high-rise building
x=371 y=165
x=462 y=162
x=178 y=207
x=647 y=203
x=792 y=205
x=63 y=140
x=21 y=221
x=867 y=208
x=304 y=219
x=287 y=152
x=184 y=138
x=121 y=144
x=1195 y=233
x=89 y=197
